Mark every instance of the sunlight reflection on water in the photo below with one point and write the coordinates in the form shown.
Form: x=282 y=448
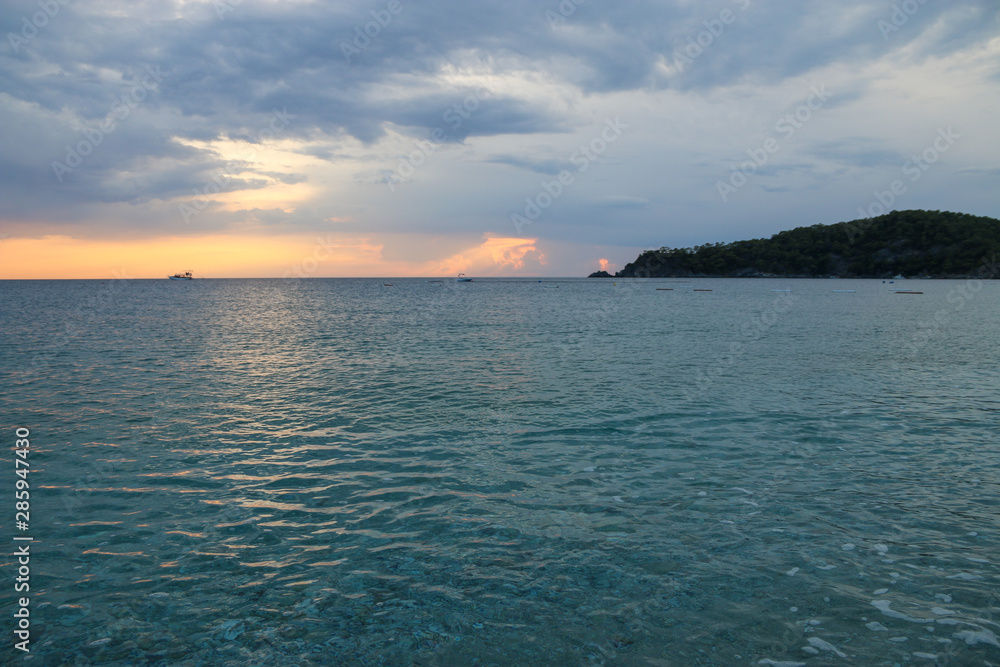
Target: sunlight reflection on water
x=326 y=471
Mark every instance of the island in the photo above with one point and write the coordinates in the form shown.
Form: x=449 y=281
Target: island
x=917 y=243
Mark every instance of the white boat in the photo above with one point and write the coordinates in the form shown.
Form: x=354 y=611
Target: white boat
x=462 y=279
x=182 y=276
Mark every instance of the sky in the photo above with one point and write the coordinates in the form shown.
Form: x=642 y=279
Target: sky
x=266 y=138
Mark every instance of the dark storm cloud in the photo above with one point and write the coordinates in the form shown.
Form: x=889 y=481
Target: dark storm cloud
x=225 y=73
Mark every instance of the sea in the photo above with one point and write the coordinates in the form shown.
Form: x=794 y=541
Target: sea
x=646 y=472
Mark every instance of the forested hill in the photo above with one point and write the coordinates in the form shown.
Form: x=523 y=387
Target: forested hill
x=934 y=244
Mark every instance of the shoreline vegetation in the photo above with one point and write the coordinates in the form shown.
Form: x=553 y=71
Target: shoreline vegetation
x=911 y=244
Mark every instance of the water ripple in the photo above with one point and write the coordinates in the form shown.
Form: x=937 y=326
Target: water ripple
x=278 y=472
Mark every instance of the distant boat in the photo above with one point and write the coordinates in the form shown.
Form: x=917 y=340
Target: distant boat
x=182 y=276
x=462 y=279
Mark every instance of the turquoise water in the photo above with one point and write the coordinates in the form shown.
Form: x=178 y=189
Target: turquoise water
x=313 y=472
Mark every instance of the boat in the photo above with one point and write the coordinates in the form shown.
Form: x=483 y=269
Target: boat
x=462 y=279
x=182 y=276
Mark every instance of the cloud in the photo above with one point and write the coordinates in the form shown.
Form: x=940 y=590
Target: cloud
x=494 y=255
x=488 y=84
x=514 y=252
x=860 y=152
x=539 y=166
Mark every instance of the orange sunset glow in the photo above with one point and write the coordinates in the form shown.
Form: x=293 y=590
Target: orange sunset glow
x=315 y=256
